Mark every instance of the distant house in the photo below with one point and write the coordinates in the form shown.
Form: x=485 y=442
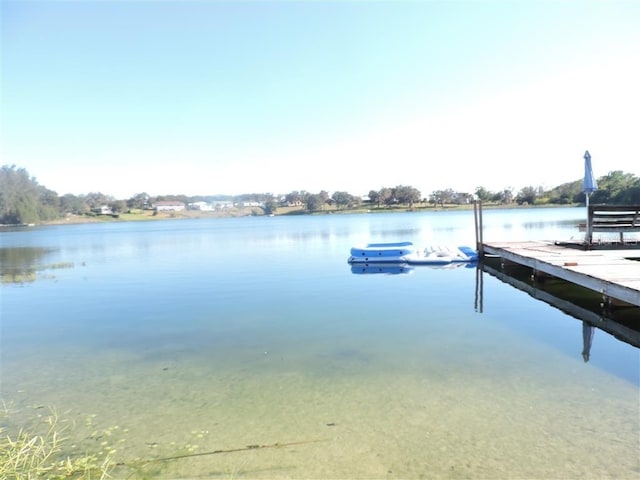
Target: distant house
x=222 y=204
x=202 y=206
x=102 y=210
x=253 y=204
x=168 y=206
x=461 y=198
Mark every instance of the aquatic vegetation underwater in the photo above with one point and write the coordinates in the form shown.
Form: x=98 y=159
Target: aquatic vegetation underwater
x=56 y=448
x=50 y=446
x=42 y=449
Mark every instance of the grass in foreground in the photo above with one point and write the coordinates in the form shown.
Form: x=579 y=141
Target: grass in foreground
x=54 y=448
x=45 y=449
x=39 y=451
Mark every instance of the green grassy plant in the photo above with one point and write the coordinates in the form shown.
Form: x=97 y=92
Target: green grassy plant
x=50 y=447
x=40 y=451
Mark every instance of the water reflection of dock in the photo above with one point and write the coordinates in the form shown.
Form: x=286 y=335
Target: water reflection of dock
x=623 y=324
x=612 y=273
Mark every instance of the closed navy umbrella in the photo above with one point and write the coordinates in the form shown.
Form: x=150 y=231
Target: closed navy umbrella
x=589 y=185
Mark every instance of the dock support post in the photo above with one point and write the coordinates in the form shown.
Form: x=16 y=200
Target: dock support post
x=477 y=217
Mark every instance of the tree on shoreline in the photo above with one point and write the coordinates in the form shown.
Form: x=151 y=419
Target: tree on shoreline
x=23 y=200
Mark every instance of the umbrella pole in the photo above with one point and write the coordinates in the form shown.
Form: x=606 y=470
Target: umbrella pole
x=588 y=229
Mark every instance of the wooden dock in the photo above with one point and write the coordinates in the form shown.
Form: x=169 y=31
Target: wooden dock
x=611 y=273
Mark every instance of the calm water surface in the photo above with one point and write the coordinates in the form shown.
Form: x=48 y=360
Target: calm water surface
x=201 y=335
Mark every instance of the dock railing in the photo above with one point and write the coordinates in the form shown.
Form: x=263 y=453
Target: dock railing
x=619 y=219
x=477 y=217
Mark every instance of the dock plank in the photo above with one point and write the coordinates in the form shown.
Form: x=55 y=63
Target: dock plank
x=610 y=272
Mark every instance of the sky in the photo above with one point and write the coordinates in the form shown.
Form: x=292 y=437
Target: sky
x=231 y=97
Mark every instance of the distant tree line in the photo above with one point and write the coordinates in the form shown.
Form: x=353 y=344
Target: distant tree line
x=24 y=200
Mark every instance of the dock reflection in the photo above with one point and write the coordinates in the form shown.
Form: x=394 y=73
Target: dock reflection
x=621 y=321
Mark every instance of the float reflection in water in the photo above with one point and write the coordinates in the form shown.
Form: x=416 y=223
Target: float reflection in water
x=402 y=268
x=381 y=268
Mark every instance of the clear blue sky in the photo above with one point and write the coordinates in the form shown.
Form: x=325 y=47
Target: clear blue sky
x=215 y=97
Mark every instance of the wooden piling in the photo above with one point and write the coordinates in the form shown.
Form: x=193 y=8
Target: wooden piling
x=477 y=218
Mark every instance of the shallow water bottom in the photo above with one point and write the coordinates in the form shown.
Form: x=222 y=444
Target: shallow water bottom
x=341 y=411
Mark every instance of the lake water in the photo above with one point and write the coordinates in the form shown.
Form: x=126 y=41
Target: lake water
x=157 y=339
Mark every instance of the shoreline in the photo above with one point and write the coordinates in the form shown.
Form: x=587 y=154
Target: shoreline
x=150 y=215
